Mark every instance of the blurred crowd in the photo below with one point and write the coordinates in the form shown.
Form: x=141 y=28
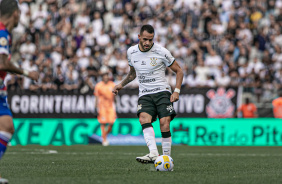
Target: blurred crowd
x=216 y=42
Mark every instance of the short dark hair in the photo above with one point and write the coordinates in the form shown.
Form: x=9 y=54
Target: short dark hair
x=280 y=92
x=8 y=7
x=147 y=28
x=247 y=100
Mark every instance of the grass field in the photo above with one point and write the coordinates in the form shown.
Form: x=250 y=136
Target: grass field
x=116 y=164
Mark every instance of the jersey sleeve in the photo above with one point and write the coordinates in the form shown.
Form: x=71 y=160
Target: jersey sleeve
x=169 y=59
x=129 y=57
x=4 y=42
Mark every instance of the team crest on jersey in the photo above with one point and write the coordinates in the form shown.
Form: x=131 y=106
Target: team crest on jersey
x=153 y=61
x=220 y=105
x=3 y=41
x=169 y=108
x=139 y=107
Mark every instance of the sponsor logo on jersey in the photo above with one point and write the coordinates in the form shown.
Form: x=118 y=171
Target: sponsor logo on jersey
x=146 y=74
x=153 y=61
x=3 y=41
x=146 y=81
x=136 y=61
x=220 y=105
x=169 y=108
x=169 y=59
x=134 y=51
x=155 y=51
x=139 y=107
x=150 y=90
x=143 y=63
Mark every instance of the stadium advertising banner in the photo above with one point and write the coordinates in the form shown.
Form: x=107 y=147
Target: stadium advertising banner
x=187 y=131
x=202 y=102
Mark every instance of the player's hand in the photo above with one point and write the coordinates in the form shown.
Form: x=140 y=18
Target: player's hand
x=116 y=89
x=33 y=75
x=174 y=97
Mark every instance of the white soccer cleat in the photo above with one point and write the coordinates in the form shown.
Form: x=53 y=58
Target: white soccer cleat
x=147 y=159
x=3 y=181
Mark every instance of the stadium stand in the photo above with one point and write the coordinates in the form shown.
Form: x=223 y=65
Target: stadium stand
x=217 y=42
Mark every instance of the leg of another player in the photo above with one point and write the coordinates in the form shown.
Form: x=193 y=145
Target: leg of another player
x=110 y=127
x=145 y=120
x=6 y=132
x=103 y=131
x=166 y=135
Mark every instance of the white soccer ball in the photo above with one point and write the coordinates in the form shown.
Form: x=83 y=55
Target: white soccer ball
x=164 y=163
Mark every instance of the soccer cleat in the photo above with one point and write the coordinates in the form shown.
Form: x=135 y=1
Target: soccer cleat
x=3 y=181
x=147 y=159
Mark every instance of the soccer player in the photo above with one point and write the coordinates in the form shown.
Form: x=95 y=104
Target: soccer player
x=105 y=103
x=277 y=106
x=9 y=18
x=148 y=61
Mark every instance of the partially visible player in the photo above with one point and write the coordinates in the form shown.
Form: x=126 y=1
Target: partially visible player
x=248 y=109
x=277 y=106
x=148 y=62
x=9 y=18
x=105 y=104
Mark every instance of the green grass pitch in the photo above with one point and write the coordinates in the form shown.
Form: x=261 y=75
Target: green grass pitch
x=117 y=165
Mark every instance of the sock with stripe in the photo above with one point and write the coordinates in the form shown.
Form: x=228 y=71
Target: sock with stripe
x=4 y=139
x=166 y=143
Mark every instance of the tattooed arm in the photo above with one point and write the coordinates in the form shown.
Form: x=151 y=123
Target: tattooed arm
x=130 y=77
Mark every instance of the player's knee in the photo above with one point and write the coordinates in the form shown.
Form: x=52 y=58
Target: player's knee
x=11 y=129
x=165 y=126
x=7 y=126
x=144 y=119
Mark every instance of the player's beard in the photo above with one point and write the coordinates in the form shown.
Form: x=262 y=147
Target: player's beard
x=145 y=47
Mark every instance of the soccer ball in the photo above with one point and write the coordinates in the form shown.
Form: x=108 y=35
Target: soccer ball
x=164 y=163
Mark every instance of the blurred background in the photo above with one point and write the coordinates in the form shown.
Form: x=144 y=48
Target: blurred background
x=230 y=50
x=227 y=43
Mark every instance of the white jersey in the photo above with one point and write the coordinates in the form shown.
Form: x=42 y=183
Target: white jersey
x=150 y=67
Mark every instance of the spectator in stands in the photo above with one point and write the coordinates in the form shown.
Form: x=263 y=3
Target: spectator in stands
x=39 y=18
x=72 y=79
x=192 y=80
x=28 y=49
x=202 y=72
x=241 y=39
x=59 y=78
x=223 y=80
x=83 y=54
x=248 y=110
x=46 y=44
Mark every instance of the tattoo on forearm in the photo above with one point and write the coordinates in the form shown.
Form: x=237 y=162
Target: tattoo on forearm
x=130 y=77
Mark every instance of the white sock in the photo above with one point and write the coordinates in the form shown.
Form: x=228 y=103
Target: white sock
x=166 y=145
x=149 y=136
